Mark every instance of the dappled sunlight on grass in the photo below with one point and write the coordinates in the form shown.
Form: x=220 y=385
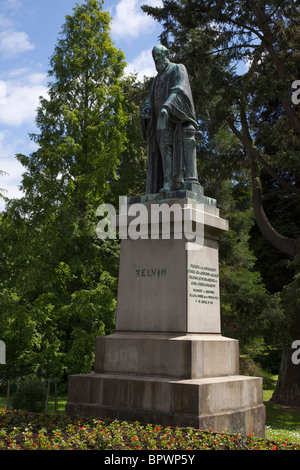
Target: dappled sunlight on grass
x=282 y=422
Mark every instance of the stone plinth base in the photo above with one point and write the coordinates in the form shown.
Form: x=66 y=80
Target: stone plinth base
x=167 y=362
x=132 y=382
x=183 y=356
x=232 y=403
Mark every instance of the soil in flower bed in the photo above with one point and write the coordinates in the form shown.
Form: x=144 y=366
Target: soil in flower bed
x=27 y=431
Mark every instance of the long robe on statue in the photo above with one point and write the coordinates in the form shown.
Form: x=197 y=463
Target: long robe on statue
x=171 y=90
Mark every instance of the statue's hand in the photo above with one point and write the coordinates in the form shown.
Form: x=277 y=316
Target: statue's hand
x=162 y=119
x=146 y=112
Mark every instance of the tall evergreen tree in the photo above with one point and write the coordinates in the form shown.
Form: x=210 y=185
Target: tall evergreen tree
x=1 y=189
x=58 y=279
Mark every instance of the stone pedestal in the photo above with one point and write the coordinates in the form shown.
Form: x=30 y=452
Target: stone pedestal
x=167 y=362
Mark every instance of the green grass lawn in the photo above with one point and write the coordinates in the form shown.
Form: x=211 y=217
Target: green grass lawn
x=282 y=422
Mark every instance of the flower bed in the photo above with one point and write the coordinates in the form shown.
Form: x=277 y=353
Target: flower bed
x=28 y=431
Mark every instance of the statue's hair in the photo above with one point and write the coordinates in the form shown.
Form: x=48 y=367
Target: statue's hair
x=162 y=48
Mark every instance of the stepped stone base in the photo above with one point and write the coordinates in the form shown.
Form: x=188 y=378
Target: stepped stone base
x=187 y=356
x=131 y=382
x=232 y=403
x=168 y=363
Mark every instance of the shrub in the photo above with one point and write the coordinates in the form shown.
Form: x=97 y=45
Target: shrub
x=30 y=396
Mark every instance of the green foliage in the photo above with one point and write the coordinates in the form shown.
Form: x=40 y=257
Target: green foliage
x=132 y=169
x=254 y=105
x=58 y=280
x=283 y=211
x=290 y=297
x=82 y=123
x=2 y=173
x=248 y=309
x=30 y=396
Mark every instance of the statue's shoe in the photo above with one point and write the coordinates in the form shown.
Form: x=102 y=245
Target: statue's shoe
x=166 y=189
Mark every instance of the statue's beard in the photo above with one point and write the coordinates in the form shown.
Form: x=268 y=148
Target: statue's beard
x=161 y=66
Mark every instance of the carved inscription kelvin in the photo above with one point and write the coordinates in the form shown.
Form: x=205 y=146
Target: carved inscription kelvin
x=203 y=284
x=156 y=272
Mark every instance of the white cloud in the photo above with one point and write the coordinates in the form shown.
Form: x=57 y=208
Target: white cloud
x=13 y=43
x=22 y=97
x=142 y=65
x=17 y=72
x=23 y=88
x=5 y=23
x=130 y=21
x=20 y=105
x=11 y=4
x=2 y=92
x=10 y=181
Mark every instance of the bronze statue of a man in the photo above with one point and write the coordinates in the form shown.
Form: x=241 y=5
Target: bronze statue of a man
x=168 y=124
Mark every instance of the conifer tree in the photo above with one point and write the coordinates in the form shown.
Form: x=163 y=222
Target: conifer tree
x=58 y=279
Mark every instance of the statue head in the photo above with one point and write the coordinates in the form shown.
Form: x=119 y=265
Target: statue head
x=161 y=57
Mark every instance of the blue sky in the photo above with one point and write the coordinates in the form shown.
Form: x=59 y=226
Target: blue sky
x=29 y=30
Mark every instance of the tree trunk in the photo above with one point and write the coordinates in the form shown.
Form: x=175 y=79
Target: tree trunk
x=284 y=244
x=287 y=391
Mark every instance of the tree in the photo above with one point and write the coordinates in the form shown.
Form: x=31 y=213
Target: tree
x=132 y=169
x=58 y=279
x=1 y=174
x=265 y=34
x=247 y=307
x=255 y=106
